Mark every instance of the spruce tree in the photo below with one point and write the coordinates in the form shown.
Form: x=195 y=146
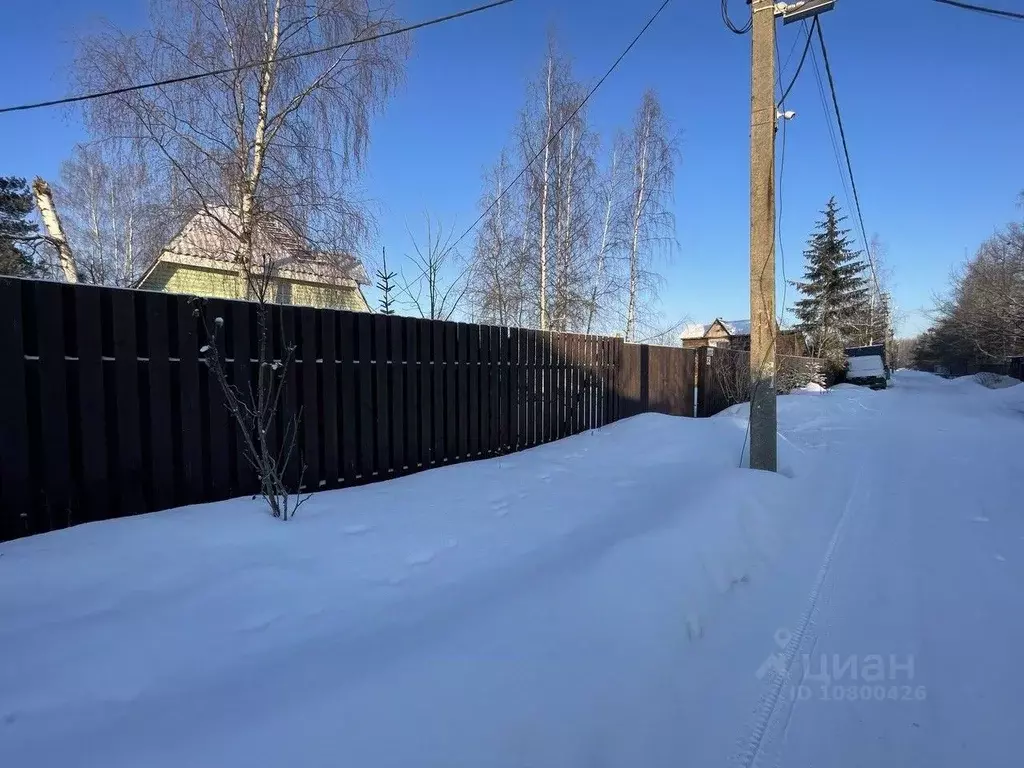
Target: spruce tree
x=15 y=206
x=834 y=288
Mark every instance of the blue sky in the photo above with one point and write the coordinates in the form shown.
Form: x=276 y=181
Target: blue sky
x=929 y=93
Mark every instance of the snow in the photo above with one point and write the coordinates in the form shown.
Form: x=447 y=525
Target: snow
x=995 y=380
x=627 y=597
x=864 y=367
x=700 y=330
x=737 y=327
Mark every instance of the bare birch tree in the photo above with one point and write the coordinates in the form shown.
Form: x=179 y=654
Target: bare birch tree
x=574 y=184
x=281 y=140
x=555 y=205
x=270 y=145
x=115 y=212
x=498 y=285
x=613 y=200
x=649 y=152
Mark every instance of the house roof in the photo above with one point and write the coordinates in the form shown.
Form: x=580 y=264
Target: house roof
x=207 y=242
x=700 y=330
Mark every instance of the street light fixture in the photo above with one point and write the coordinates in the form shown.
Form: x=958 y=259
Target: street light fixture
x=804 y=9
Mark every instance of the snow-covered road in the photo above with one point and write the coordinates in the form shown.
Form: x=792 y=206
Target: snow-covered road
x=622 y=598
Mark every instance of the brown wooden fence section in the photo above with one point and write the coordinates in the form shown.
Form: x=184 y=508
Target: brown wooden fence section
x=109 y=411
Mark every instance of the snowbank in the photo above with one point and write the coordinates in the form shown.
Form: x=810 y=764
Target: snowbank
x=609 y=600
x=215 y=635
x=995 y=380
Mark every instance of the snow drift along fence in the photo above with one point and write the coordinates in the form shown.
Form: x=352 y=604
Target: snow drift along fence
x=109 y=411
x=724 y=377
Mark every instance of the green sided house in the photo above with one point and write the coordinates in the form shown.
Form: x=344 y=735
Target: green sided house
x=199 y=261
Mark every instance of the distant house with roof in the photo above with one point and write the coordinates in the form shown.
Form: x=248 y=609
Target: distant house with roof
x=735 y=334
x=200 y=261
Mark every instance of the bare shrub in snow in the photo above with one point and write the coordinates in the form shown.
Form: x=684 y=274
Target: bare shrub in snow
x=255 y=412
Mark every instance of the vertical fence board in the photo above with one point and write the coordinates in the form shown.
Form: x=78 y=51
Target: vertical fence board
x=347 y=351
x=607 y=391
x=502 y=386
x=486 y=447
x=191 y=488
x=129 y=459
x=15 y=512
x=473 y=388
x=218 y=417
x=451 y=442
x=578 y=403
x=311 y=417
x=594 y=383
x=291 y=419
x=242 y=378
x=95 y=498
x=522 y=401
x=541 y=387
x=463 y=391
x=437 y=331
x=584 y=373
x=364 y=397
x=161 y=427
x=702 y=382
x=53 y=397
x=398 y=377
x=272 y=330
x=413 y=378
x=555 y=400
x=493 y=374
x=329 y=396
x=426 y=405
x=381 y=357
x=513 y=389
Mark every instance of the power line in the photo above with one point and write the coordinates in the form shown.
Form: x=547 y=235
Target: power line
x=849 y=165
x=831 y=131
x=729 y=22
x=800 y=64
x=782 y=168
x=252 y=65
x=568 y=120
x=982 y=9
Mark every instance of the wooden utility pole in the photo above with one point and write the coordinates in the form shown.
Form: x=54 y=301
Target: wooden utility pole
x=763 y=441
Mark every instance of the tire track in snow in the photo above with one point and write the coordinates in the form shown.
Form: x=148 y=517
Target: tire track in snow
x=768 y=707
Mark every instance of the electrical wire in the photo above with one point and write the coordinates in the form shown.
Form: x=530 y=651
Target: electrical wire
x=849 y=165
x=729 y=23
x=568 y=120
x=982 y=9
x=800 y=64
x=831 y=131
x=778 y=197
x=252 y=65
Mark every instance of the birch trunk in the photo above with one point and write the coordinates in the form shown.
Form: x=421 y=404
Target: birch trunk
x=544 y=204
x=259 y=148
x=603 y=249
x=634 y=249
x=48 y=213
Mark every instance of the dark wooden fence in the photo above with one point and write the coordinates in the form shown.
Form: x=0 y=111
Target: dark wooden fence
x=109 y=411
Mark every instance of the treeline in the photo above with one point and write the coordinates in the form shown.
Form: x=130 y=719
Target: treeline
x=574 y=226
x=572 y=245
x=979 y=325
